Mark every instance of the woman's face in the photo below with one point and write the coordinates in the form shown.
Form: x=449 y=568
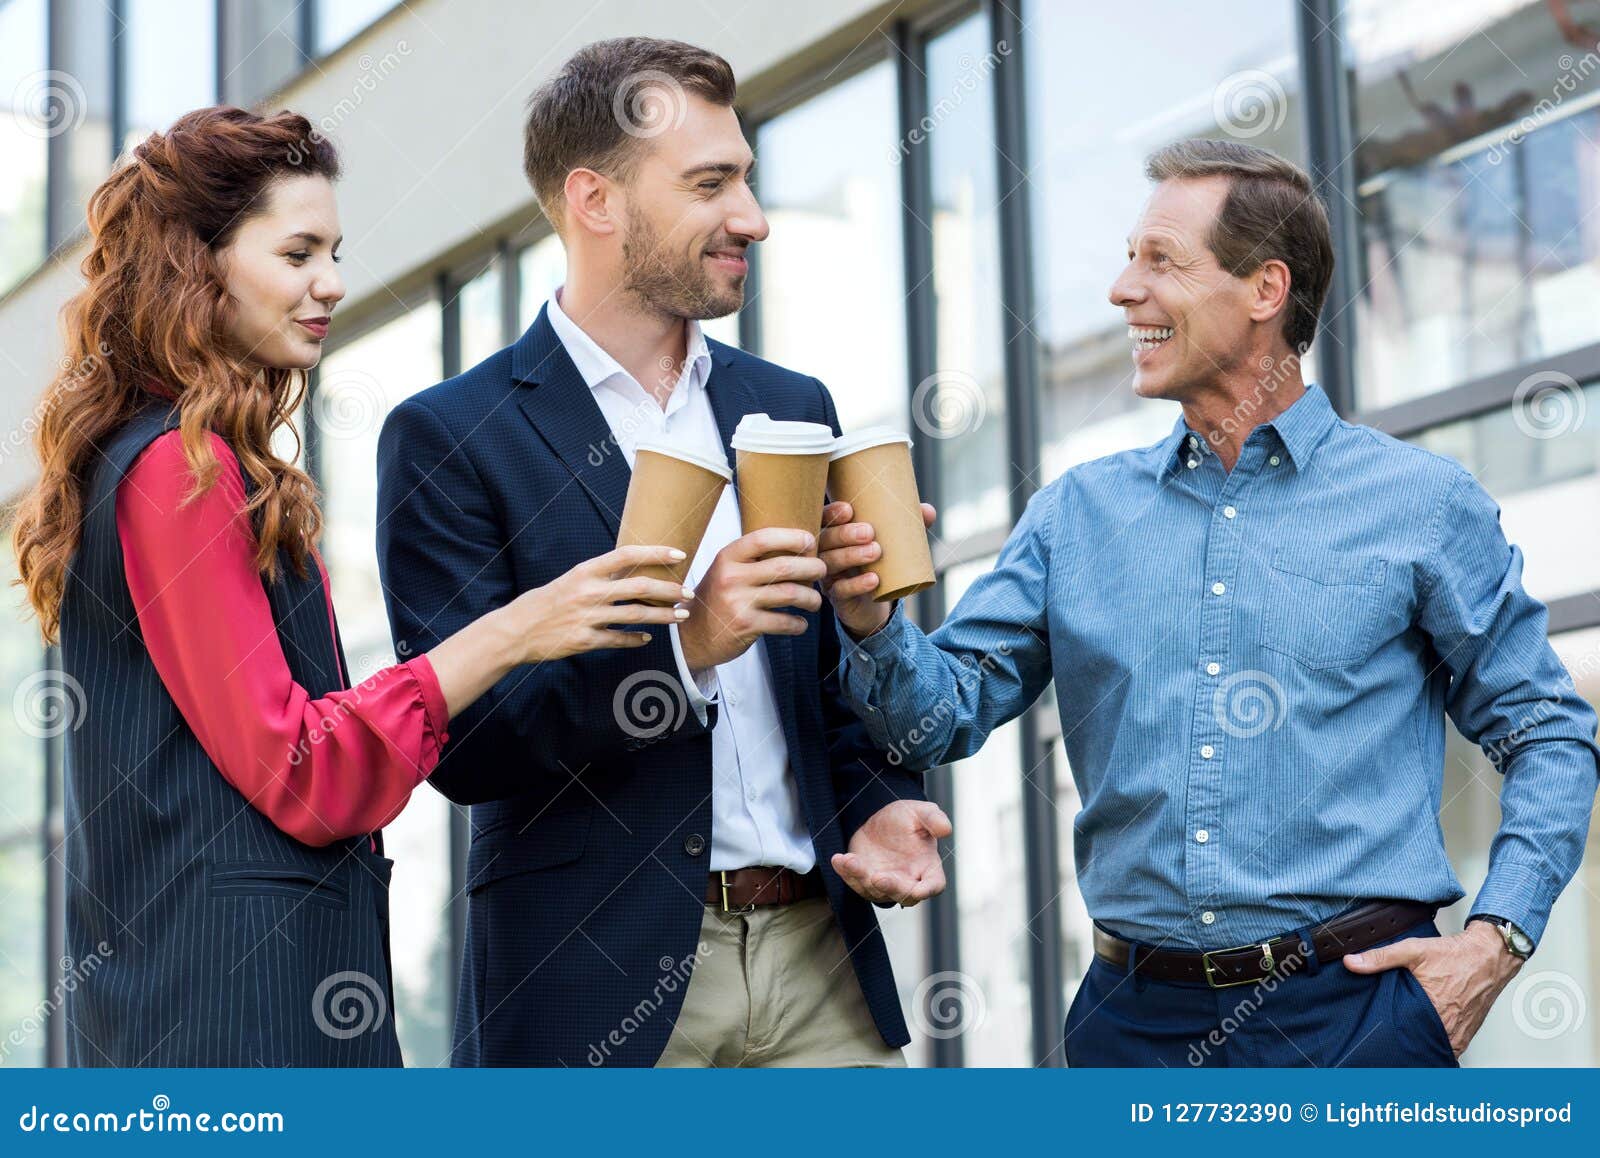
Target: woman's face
x=281 y=268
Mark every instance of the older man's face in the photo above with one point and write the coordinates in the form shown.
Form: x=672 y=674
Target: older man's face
x=1188 y=318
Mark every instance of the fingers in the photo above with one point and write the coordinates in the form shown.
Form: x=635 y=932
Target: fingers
x=771 y=541
x=1407 y=952
x=645 y=587
x=624 y=558
x=854 y=587
x=837 y=514
x=841 y=559
x=928 y=514
x=786 y=569
x=886 y=884
x=638 y=613
x=844 y=535
x=935 y=821
x=788 y=595
x=601 y=640
x=776 y=623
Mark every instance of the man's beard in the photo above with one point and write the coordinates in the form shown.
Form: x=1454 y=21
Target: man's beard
x=674 y=287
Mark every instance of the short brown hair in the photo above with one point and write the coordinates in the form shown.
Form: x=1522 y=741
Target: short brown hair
x=1271 y=213
x=610 y=96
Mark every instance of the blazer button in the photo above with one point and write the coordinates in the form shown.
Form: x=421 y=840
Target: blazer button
x=694 y=844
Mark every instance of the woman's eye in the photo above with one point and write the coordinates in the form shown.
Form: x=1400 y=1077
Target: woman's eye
x=297 y=258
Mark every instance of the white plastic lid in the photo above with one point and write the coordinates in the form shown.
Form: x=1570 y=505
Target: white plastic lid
x=866 y=438
x=768 y=436
x=704 y=461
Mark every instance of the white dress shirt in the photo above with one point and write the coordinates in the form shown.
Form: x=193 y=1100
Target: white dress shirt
x=755 y=803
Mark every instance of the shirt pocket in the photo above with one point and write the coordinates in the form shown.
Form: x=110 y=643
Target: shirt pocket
x=1323 y=607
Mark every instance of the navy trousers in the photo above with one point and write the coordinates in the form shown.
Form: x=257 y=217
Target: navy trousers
x=1322 y=1015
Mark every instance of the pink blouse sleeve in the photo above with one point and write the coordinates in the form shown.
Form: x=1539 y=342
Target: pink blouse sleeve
x=322 y=770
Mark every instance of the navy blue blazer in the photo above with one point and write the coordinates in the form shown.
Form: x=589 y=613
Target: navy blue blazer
x=591 y=817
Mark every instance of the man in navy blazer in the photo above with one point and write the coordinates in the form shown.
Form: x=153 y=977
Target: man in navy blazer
x=658 y=832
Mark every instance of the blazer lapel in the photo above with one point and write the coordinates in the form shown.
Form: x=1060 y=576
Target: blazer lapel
x=562 y=408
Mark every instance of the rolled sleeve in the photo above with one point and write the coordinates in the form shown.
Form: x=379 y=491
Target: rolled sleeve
x=702 y=688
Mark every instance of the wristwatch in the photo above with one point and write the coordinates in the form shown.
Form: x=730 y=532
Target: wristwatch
x=1517 y=942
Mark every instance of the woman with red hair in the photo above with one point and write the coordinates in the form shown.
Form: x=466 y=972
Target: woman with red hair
x=225 y=783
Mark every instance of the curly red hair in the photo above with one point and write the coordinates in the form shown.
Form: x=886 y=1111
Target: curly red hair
x=150 y=324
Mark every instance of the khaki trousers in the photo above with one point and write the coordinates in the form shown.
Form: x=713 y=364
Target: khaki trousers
x=774 y=987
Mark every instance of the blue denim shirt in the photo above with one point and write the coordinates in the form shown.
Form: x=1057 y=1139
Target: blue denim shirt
x=1253 y=669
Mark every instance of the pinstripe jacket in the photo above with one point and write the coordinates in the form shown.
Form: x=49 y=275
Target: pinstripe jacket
x=201 y=934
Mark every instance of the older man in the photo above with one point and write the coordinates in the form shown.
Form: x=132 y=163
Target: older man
x=1255 y=627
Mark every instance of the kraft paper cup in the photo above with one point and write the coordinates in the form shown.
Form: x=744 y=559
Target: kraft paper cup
x=670 y=500
x=871 y=470
x=783 y=473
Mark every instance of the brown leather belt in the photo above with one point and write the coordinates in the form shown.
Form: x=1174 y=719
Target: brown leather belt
x=740 y=890
x=1350 y=932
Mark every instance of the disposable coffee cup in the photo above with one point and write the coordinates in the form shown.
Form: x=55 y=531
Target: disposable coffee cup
x=670 y=500
x=783 y=473
x=871 y=470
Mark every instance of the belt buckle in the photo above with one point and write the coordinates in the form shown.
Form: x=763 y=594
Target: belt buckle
x=722 y=874
x=1267 y=965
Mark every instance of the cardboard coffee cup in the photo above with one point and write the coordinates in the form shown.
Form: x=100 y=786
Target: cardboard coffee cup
x=783 y=473
x=671 y=497
x=871 y=470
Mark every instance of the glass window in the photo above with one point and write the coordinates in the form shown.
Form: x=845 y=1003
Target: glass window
x=358 y=386
x=79 y=108
x=479 y=304
x=261 y=47
x=993 y=999
x=832 y=302
x=339 y=20
x=1199 y=76
x=961 y=406
x=1077 y=927
x=25 y=123
x=1545 y=1017
x=170 y=63
x=37 y=713
x=1478 y=170
x=1540 y=459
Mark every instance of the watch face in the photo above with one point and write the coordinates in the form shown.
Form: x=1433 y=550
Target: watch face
x=1520 y=941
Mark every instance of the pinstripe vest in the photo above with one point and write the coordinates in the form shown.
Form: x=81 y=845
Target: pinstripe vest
x=199 y=933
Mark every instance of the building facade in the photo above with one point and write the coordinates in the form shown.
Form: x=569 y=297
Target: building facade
x=949 y=187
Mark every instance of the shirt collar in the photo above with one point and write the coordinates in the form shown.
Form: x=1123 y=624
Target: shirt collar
x=1299 y=429
x=597 y=367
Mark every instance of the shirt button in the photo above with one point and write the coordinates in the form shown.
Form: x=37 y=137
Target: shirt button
x=1228 y=512
x=1207 y=751
x=694 y=844
x=1192 y=463
x=1218 y=588
x=1273 y=460
x=733 y=696
x=750 y=794
x=1202 y=836
x=1207 y=917
x=1213 y=668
